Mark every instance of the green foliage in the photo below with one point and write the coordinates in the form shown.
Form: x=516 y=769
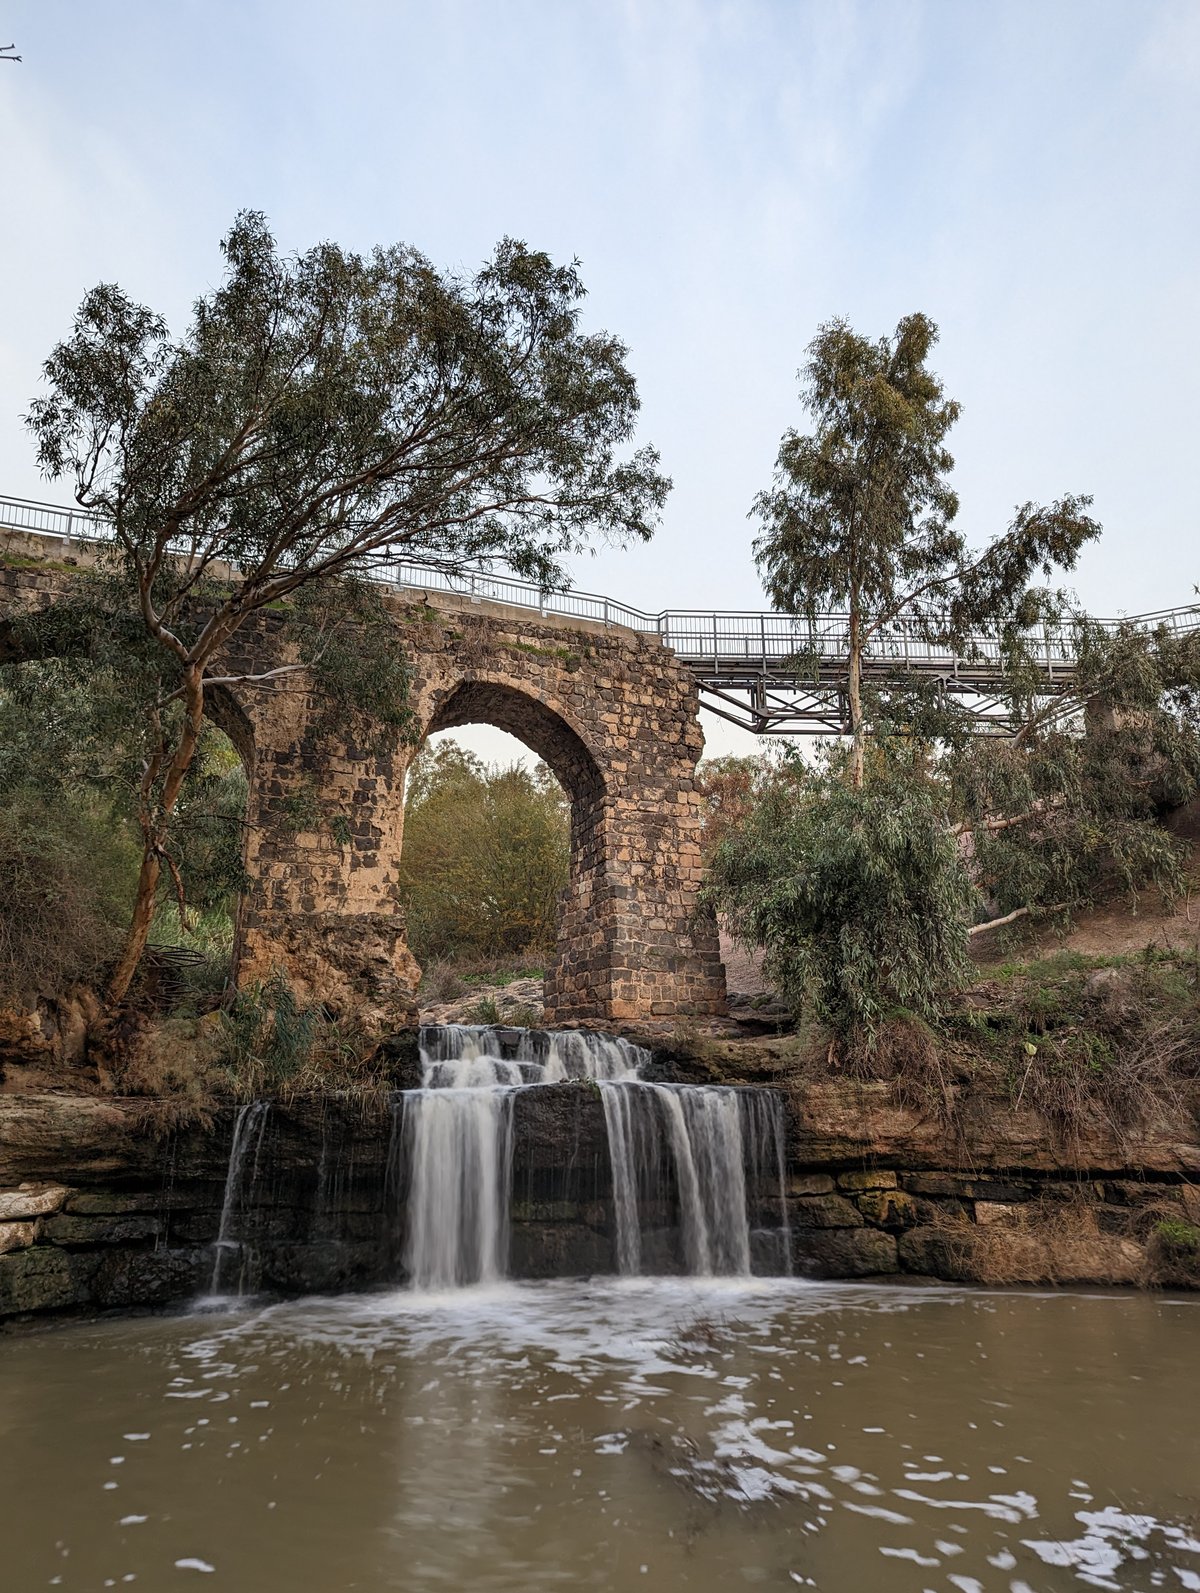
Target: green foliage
x=861 y=902
x=270 y=1044
x=1071 y=807
x=69 y=770
x=1177 y=1235
x=357 y=663
x=322 y=415
x=858 y=897
x=67 y=872
x=486 y=853
x=862 y=506
x=329 y=408
x=860 y=515
x=730 y=786
x=267 y=1033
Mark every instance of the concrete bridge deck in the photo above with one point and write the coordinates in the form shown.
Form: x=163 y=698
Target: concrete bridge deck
x=770 y=673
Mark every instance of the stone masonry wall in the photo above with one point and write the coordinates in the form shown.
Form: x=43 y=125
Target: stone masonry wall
x=611 y=712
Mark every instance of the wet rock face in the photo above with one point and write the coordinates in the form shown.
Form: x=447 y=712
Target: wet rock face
x=95 y=1215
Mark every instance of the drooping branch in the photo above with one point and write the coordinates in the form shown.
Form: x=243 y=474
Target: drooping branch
x=992 y=826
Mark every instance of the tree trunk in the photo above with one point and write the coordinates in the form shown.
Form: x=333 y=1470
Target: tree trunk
x=154 y=829
x=858 y=751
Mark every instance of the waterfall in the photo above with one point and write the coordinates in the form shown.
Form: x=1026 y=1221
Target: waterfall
x=456 y=1136
x=244 y=1149
x=703 y=1151
x=704 y=1140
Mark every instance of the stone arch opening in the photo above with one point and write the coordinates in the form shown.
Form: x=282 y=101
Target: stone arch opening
x=562 y=749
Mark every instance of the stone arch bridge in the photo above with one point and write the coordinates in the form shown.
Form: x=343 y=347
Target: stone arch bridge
x=609 y=709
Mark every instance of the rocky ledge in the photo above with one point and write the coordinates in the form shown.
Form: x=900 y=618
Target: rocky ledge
x=97 y=1213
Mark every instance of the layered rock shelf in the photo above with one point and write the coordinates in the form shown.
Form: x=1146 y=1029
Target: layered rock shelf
x=97 y=1213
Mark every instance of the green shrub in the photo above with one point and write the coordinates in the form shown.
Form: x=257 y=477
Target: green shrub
x=858 y=898
x=1177 y=1235
x=68 y=866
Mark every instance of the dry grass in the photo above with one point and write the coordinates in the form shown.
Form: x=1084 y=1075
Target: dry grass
x=182 y=1070
x=445 y=980
x=1045 y=1241
x=1090 y=1045
x=175 y=1071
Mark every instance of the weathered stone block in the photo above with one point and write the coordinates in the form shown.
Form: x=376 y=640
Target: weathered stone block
x=965 y=1186
x=868 y=1178
x=117 y=1203
x=843 y=1252
x=67 y=1229
x=823 y=1211
x=140 y=1278
x=45 y=1278
x=31 y=1200
x=810 y=1184
x=16 y=1236
x=935 y=1253
x=888 y=1208
x=988 y=1212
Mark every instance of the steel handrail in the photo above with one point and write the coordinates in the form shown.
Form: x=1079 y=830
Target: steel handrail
x=702 y=636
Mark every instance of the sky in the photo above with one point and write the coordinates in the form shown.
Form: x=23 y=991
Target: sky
x=729 y=175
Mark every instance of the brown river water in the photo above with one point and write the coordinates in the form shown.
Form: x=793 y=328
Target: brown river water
x=653 y=1435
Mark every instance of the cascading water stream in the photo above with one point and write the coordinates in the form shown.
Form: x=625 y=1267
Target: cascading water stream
x=686 y=1146
x=244 y=1148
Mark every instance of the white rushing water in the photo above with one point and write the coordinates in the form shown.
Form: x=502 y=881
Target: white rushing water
x=683 y=1148
x=244 y=1150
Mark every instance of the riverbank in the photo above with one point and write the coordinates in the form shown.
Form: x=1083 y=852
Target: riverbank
x=98 y=1212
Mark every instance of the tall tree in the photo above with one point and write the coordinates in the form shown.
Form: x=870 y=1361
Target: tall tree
x=860 y=513
x=322 y=415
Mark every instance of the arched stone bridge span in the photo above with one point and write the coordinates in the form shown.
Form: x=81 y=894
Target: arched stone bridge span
x=612 y=712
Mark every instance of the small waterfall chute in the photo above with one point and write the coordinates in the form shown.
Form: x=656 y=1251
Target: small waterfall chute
x=245 y=1149
x=704 y=1151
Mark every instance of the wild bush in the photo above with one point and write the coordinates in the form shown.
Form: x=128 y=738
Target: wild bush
x=67 y=873
x=858 y=896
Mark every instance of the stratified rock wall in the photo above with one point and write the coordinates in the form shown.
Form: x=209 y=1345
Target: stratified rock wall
x=96 y=1213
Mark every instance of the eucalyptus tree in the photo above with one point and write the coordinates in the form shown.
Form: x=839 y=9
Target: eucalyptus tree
x=860 y=514
x=321 y=415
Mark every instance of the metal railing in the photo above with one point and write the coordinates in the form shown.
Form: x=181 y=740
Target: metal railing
x=730 y=645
